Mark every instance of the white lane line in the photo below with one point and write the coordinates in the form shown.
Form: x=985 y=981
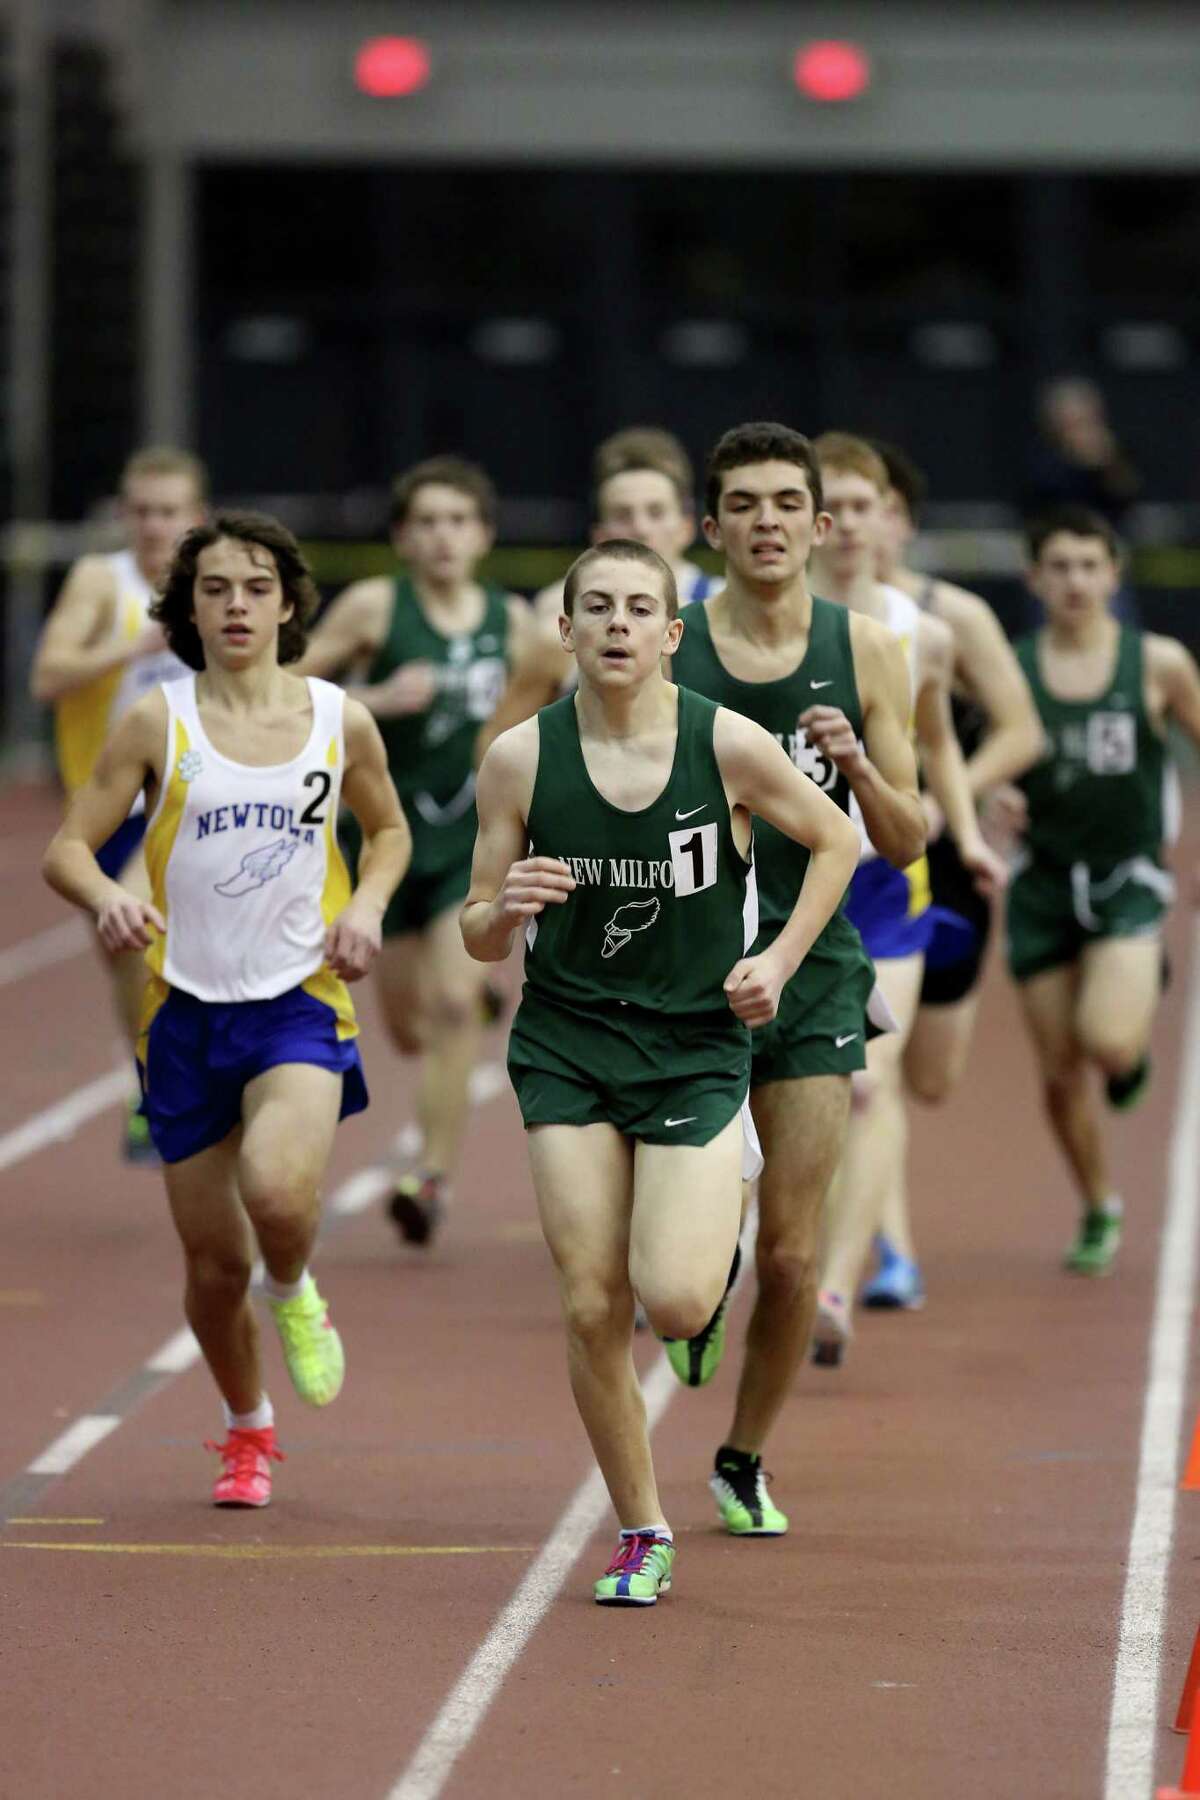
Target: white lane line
x=74 y=1444
x=469 y=1701
x=1134 y=1726
x=63 y=1119
x=59 y=944
x=176 y=1355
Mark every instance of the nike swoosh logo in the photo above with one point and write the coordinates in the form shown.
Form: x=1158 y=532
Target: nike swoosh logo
x=691 y=1121
x=688 y=815
x=820 y=684
x=840 y=1043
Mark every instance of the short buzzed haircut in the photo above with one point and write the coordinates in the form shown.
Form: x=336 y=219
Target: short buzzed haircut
x=621 y=550
x=1079 y=521
x=644 y=447
x=904 y=477
x=165 y=459
x=841 y=453
x=444 y=471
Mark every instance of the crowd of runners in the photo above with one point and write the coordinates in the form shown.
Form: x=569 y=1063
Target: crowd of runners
x=752 y=822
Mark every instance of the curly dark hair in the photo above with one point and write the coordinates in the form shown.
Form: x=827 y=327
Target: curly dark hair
x=1077 y=521
x=762 y=441
x=444 y=471
x=175 y=606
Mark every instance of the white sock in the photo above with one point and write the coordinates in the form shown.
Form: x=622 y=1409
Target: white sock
x=283 y=1290
x=658 y=1531
x=1113 y=1207
x=258 y=1420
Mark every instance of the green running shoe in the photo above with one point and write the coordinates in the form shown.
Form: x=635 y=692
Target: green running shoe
x=312 y=1348
x=696 y=1360
x=639 y=1572
x=1125 y=1091
x=739 y=1487
x=136 y=1143
x=1095 y=1249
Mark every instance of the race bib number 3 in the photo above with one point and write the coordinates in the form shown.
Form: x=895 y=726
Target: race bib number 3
x=694 y=858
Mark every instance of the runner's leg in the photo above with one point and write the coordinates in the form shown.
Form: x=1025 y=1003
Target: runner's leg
x=289 y=1116
x=876 y=1140
x=1119 y=990
x=936 y=1056
x=687 y=1212
x=218 y=1248
x=453 y=983
x=583 y=1178
x=802 y=1127
x=1050 y=1001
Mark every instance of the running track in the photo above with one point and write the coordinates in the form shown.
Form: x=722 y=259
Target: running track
x=942 y=1622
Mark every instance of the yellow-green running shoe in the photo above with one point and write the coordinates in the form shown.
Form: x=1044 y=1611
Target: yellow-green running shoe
x=639 y=1572
x=696 y=1360
x=136 y=1143
x=739 y=1487
x=312 y=1348
x=1095 y=1249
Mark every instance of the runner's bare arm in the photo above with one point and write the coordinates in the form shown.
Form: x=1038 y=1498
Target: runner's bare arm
x=535 y=676
x=354 y=937
x=1172 y=670
x=942 y=758
x=882 y=770
x=77 y=646
x=987 y=668
x=351 y=630
x=130 y=761
x=507 y=887
x=762 y=778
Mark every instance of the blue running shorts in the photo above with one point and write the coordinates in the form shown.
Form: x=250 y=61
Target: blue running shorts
x=201 y=1054
x=116 y=851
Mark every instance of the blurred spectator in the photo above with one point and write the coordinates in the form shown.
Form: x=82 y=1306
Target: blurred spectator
x=1079 y=461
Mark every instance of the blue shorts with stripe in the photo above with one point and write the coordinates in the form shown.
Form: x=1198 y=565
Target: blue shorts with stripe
x=116 y=851
x=200 y=1055
x=890 y=909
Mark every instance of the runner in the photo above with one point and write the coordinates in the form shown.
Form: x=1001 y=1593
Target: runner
x=247 y=1052
x=1089 y=891
x=643 y=489
x=890 y=906
x=99 y=652
x=432 y=645
x=614 y=827
x=998 y=730
x=832 y=687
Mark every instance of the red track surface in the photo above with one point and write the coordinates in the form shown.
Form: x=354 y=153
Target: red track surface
x=940 y=1623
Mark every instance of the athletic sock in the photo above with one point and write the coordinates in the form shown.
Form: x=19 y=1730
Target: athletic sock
x=1112 y=1208
x=258 y=1420
x=658 y=1531
x=283 y=1290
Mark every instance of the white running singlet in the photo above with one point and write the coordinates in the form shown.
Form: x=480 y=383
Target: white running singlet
x=244 y=862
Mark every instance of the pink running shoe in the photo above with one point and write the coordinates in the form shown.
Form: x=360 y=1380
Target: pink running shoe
x=247 y=1456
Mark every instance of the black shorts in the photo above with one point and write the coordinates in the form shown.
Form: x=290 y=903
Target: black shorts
x=954 y=959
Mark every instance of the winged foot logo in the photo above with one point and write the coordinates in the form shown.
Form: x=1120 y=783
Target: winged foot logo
x=258 y=867
x=635 y=915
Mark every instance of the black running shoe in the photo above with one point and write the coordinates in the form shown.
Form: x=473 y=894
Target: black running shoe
x=1124 y=1091
x=417 y=1206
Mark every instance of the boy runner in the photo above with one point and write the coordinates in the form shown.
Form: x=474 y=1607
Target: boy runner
x=432 y=646
x=247 y=1053
x=615 y=829
x=1089 y=891
x=832 y=688
x=890 y=906
x=99 y=652
x=642 y=484
x=998 y=730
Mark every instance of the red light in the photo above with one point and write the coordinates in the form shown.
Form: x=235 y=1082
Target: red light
x=832 y=71
x=389 y=67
